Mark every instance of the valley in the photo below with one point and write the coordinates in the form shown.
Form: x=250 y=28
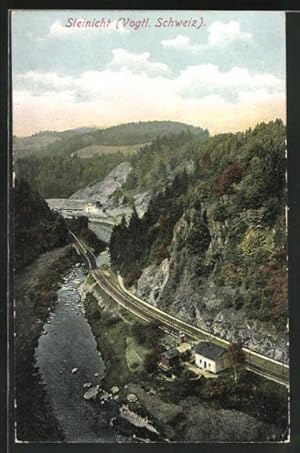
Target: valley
x=194 y=236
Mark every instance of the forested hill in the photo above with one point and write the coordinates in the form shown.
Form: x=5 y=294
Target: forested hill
x=132 y=133
x=59 y=175
x=215 y=230
x=37 y=229
x=66 y=142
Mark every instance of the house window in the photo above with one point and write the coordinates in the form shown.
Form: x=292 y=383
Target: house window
x=200 y=360
x=209 y=364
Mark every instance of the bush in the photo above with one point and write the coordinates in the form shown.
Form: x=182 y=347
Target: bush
x=219 y=213
x=96 y=315
x=151 y=360
x=132 y=276
x=215 y=388
x=198 y=239
x=110 y=321
x=184 y=387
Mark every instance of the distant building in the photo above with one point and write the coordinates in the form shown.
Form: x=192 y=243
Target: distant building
x=169 y=358
x=211 y=357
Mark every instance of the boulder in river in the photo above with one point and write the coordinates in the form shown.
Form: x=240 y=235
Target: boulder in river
x=74 y=370
x=132 y=398
x=91 y=393
x=105 y=396
x=87 y=385
x=115 y=389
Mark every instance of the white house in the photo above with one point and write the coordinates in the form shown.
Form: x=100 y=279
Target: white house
x=211 y=357
x=91 y=208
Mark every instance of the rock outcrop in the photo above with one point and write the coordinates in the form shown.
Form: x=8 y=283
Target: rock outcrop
x=101 y=191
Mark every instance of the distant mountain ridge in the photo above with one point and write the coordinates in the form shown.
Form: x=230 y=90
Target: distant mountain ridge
x=65 y=142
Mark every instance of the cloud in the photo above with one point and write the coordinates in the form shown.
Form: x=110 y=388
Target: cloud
x=137 y=62
x=201 y=95
x=207 y=79
x=130 y=73
x=220 y=36
x=180 y=42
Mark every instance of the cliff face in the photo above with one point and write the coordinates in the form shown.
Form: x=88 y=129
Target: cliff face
x=175 y=286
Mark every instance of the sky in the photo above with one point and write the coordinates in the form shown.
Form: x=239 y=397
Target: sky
x=224 y=71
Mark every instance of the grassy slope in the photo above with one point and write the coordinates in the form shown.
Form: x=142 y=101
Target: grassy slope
x=95 y=150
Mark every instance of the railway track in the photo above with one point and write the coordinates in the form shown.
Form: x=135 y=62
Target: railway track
x=254 y=362
x=277 y=372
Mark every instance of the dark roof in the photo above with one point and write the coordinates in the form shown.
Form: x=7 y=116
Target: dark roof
x=170 y=354
x=209 y=350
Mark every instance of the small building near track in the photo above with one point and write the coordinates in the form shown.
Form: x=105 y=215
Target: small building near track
x=169 y=358
x=211 y=357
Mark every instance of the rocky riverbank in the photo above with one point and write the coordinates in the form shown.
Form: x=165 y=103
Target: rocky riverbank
x=111 y=328
x=35 y=296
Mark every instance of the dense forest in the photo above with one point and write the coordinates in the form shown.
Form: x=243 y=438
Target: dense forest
x=36 y=228
x=61 y=176
x=221 y=215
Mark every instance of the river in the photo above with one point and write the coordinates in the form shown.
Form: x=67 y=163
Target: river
x=67 y=358
x=67 y=343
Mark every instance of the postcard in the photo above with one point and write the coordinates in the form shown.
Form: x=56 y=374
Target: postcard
x=150 y=231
